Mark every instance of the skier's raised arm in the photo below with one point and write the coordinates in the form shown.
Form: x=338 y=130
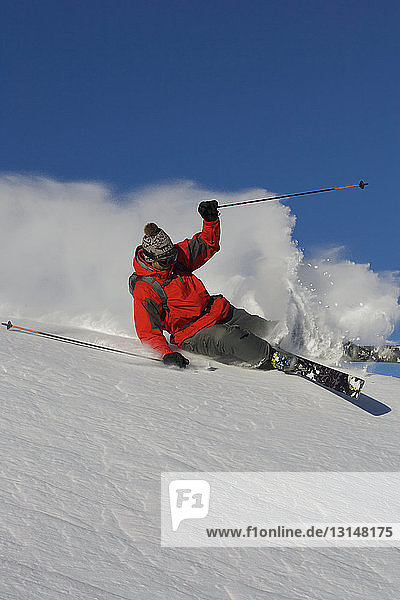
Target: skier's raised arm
x=203 y=245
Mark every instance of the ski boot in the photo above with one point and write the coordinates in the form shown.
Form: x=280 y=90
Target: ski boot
x=283 y=361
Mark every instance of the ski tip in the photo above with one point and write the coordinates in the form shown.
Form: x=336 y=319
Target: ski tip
x=362 y=184
x=8 y=325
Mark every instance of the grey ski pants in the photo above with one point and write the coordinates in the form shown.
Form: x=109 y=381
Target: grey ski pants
x=238 y=340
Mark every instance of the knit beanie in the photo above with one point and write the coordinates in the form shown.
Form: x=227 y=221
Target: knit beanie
x=156 y=242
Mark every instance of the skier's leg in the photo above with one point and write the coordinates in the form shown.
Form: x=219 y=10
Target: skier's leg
x=228 y=343
x=252 y=323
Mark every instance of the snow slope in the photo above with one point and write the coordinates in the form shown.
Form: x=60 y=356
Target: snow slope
x=85 y=435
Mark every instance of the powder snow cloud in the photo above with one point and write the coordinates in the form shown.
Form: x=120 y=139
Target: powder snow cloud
x=67 y=248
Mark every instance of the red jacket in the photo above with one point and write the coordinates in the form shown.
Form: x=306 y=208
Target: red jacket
x=189 y=306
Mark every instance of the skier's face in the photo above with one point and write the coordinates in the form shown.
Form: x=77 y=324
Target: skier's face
x=165 y=262
x=158 y=267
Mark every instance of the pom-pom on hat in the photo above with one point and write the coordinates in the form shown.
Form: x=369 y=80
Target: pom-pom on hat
x=156 y=243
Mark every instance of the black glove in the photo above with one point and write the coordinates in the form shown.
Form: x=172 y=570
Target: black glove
x=175 y=359
x=208 y=210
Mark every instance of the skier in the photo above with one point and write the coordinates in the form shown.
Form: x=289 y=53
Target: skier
x=167 y=296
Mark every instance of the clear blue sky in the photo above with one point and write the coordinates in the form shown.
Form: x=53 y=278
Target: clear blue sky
x=288 y=95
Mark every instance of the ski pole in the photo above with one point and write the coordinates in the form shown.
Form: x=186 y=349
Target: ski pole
x=60 y=338
x=361 y=185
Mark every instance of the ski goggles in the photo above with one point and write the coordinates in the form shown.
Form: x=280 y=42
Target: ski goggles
x=167 y=259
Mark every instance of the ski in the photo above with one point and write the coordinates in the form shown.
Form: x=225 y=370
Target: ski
x=389 y=353
x=327 y=376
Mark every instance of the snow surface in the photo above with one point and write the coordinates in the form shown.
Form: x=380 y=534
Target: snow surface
x=86 y=435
